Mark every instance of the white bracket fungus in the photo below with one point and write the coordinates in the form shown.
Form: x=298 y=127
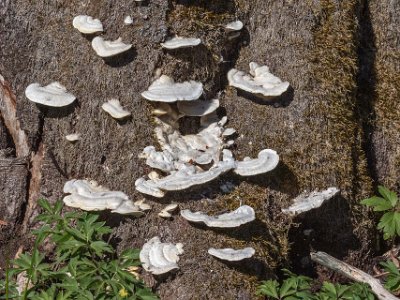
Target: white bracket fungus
x=88 y=195
x=166 y=211
x=164 y=89
x=114 y=108
x=305 y=202
x=244 y=214
x=260 y=81
x=180 y=42
x=197 y=108
x=267 y=160
x=87 y=25
x=109 y=48
x=234 y=26
x=128 y=20
x=160 y=258
x=54 y=94
x=143 y=206
x=73 y=137
x=230 y=254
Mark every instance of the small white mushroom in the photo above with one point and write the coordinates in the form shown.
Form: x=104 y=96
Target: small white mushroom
x=88 y=195
x=197 y=108
x=160 y=258
x=164 y=214
x=143 y=206
x=164 y=89
x=228 y=131
x=114 y=108
x=267 y=160
x=54 y=94
x=180 y=42
x=305 y=202
x=109 y=48
x=244 y=214
x=230 y=254
x=171 y=207
x=260 y=81
x=73 y=137
x=87 y=25
x=234 y=26
x=128 y=20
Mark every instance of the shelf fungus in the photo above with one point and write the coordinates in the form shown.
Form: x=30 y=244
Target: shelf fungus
x=114 y=108
x=180 y=42
x=109 y=48
x=128 y=20
x=54 y=94
x=267 y=160
x=87 y=25
x=234 y=26
x=89 y=196
x=244 y=214
x=260 y=81
x=160 y=258
x=73 y=137
x=165 y=89
x=230 y=254
x=197 y=108
x=167 y=211
x=306 y=202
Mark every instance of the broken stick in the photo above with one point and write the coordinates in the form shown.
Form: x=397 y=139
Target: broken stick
x=352 y=273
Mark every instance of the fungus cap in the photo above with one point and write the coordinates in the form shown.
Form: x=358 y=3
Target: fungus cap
x=197 y=108
x=244 y=214
x=73 y=137
x=230 y=254
x=260 y=81
x=180 y=42
x=54 y=94
x=109 y=48
x=164 y=89
x=87 y=25
x=114 y=108
x=234 y=26
x=267 y=160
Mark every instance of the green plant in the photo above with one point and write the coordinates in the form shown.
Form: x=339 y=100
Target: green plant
x=298 y=287
x=83 y=265
x=389 y=223
x=393 y=276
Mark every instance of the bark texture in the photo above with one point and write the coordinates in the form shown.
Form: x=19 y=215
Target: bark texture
x=330 y=129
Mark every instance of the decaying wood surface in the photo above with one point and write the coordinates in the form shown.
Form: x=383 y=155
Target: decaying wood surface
x=352 y=273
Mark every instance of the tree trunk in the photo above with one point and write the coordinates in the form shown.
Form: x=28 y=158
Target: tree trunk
x=321 y=128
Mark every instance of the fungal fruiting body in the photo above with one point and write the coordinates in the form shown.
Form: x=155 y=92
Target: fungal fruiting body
x=306 y=202
x=230 y=254
x=73 y=137
x=260 y=81
x=87 y=25
x=128 y=20
x=244 y=214
x=180 y=42
x=89 y=196
x=114 y=108
x=267 y=160
x=234 y=26
x=164 y=89
x=160 y=258
x=54 y=94
x=109 y=48
x=166 y=211
x=197 y=108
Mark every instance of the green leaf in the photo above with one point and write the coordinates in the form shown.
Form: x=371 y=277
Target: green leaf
x=99 y=247
x=388 y=195
x=378 y=203
x=146 y=294
x=269 y=288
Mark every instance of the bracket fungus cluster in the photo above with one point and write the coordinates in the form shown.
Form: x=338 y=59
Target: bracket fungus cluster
x=230 y=254
x=87 y=25
x=260 y=82
x=88 y=195
x=114 y=108
x=53 y=95
x=306 y=202
x=244 y=214
x=160 y=258
x=180 y=42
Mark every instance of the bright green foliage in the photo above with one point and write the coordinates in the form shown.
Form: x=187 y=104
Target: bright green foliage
x=83 y=265
x=388 y=203
x=299 y=288
x=393 y=278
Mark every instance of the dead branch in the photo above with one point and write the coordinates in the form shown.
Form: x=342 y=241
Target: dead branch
x=352 y=273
